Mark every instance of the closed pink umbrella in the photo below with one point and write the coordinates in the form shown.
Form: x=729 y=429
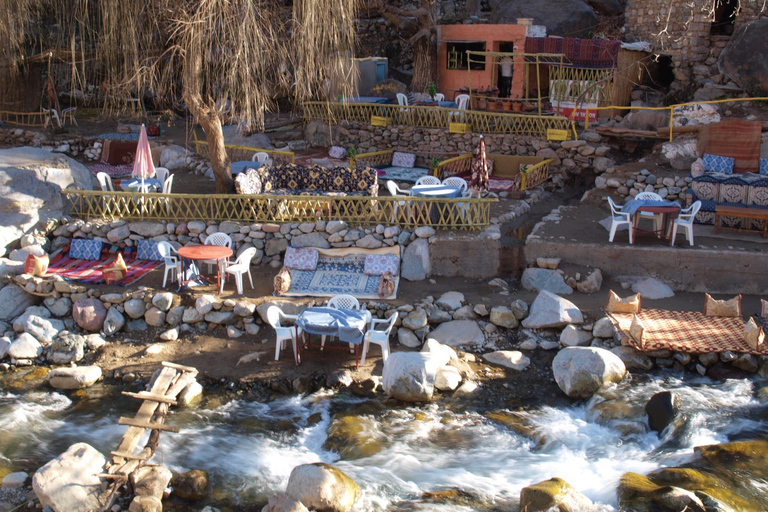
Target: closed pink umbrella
x=143 y=167
x=479 y=183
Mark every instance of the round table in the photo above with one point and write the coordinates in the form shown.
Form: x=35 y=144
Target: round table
x=435 y=191
x=201 y=253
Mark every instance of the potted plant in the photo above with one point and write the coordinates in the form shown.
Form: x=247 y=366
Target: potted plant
x=432 y=90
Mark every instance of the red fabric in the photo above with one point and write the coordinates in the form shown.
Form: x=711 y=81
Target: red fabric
x=479 y=181
x=88 y=271
x=739 y=140
x=118 y=152
x=588 y=53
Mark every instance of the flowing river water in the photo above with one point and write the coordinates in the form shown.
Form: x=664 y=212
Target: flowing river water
x=395 y=451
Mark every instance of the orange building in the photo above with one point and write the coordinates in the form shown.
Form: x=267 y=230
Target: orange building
x=485 y=70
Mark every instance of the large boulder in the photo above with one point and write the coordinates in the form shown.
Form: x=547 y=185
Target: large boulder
x=192 y=485
x=549 y=310
x=318 y=134
x=322 y=487
x=75 y=377
x=537 y=279
x=662 y=409
x=14 y=300
x=31 y=185
x=581 y=371
x=553 y=494
x=389 y=88
x=410 y=376
x=89 y=314
x=458 y=333
x=416 y=265
x=745 y=58
x=69 y=483
x=571 y=18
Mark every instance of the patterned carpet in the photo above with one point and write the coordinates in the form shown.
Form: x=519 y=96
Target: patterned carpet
x=408 y=174
x=686 y=331
x=90 y=271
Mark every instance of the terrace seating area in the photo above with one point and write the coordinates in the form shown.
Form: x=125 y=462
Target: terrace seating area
x=291 y=179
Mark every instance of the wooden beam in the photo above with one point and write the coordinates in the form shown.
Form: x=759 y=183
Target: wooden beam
x=146 y=395
x=180 y=367
x=129 y=456
x=143 y=424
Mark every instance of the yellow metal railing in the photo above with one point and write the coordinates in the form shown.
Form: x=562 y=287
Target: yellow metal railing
x=243 y=153
x=410 y=212
x=25 y=118
x=532 y=176
x=436 y=117
x=375 y=159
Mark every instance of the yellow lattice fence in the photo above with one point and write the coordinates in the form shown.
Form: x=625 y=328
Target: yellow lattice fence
x=461 y=213
x=437 y=117
x=244 y=153
x=532 y=176
x=455 y=165
x=375 y=159
x=25 y=118
x=581 y=85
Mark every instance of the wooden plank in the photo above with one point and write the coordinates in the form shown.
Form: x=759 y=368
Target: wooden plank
x=145 y=424
x=129 y=456
x=145 y=395
x=180 y=367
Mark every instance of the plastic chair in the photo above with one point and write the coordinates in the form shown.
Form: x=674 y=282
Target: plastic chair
x=656 y=217
x=456 y=182
x=105 y=181
x=380 y=338
x=402 y=99
x=216 y=239
x=685 y=219
x=262 y=157
x=462 y=100
x=242 y=265
x=342 y=301
x=283 y=332
x=172 y=263
x=161 y=173
x=428 y=180
x=439 y=97
x=52 y=114
x=396 y=191
x=619 y=218
x=68 y=112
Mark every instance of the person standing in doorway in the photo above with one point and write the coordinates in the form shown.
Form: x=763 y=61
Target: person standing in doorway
x=506 y=76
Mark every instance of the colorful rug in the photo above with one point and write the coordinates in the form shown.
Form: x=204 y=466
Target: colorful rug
x=114 y=171
x=341 y=271
x=119 y=136
x=686 y=331
x=739 y=140
x=117 y=152
x=587 y=53
x=408 y=174
x=91 y=271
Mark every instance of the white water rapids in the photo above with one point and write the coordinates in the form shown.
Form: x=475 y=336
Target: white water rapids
x=249 y=448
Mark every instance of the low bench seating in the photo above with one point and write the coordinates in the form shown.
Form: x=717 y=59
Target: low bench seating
x=739 y=212
x=715 y=189
x=391 y=165
x=291 y=179
x=508 y=172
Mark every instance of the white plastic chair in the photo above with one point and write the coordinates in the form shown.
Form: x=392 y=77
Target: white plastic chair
x=396 y=191
x=402 y=99
x=216 y=239
x=428 y=180
x=172 y=263
x=283 y=332
x=619 y=218
x=456 y=182
x=161 y=173
x=685 y=219
x=262 y=157
x=439 y=97
x=52 y=114
x=242 y=265
x=462 y=100
x=68 y=112
x=105 y=181
x=380 y=338
x=656 y=217
x=342 y=301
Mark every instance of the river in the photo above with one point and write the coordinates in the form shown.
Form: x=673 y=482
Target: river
x=398 y=452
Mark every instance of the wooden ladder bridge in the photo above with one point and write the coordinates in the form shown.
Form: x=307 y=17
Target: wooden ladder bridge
x=173 y=378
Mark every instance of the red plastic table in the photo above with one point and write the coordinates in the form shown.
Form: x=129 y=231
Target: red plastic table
x=665 y=211
x=200 y=253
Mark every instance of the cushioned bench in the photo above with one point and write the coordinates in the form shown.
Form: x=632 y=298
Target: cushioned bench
x=713 y=189
x=391 y=165
x=291 y=179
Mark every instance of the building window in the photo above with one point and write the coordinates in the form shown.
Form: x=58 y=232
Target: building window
x=725 y=15
x=457 y=55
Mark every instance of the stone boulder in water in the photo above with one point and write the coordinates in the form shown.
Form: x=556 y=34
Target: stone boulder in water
x=322 y=487
x=553 y=494
x=68 y=482
x=661 y=409
x=581 y=371
x=410 y=376
x=193 y=485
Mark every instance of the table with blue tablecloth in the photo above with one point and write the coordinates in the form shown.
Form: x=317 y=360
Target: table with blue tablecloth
x=667 y=209
x=135 y=185
x=349 y=325
x=368 y=99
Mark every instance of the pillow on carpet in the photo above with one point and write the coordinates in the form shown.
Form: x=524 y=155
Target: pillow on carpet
x=117 y=271
x=379 y=264
x=84 y=249
x=304 y=258
x=386 y=285
x=282 y=281
x=36 y=265
x=337 y=152
x=718 y=163
x=403 y=159
x=147 y=250
x=636 y=330
x=754 y=335
x=730 y=307
x=764 y=166
x=616 y=304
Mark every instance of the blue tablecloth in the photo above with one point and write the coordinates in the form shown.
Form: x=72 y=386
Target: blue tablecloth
x=134 y=185
x=435 y=191
x=242 y=165
x=443 y=104
x=368 y=99
x=632 y=205
x=347 y=324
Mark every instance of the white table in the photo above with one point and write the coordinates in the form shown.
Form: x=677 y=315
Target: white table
x=134 y=185
x=435 y=191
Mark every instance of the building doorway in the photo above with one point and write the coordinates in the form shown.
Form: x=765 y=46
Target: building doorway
x=506 y=69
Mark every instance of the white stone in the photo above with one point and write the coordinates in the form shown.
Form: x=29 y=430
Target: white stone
x=134 y=308
x=603 y=328
x=450 y=300
x=15 y=480
x=442 y=353
x=322 y=487
x=233 y=332
x=25 y=346
x=513 y=359
x=163 y=301
x=75 y=377
x=458 y=332
x=68 y=482
x=407 y=338
x=572 y=336
x=447 y=378
x=580 y=372
x=424 y=231
x=5 y=344
x=409 y=376
x=170 y=335
x=14 y=300
x=190 y=393
x=204 y=304
x=651 y=288
x=113 y=322
x=549 y=310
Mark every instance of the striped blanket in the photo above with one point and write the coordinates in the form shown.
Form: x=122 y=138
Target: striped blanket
x=736 y=139
x=91 y=271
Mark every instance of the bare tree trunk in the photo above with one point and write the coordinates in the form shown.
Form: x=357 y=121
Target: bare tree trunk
x=425 y=51
x=208 y=117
